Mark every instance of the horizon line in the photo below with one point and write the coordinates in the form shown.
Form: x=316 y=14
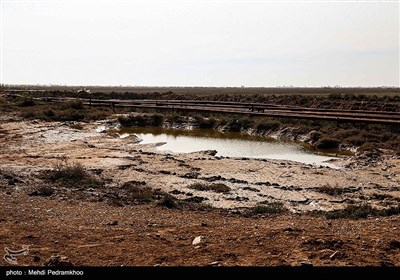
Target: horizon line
x=188 y=86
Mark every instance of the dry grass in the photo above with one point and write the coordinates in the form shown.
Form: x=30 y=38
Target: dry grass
x=268 y=208
x=72 y=175
x=361 y=212
x=331 y=190
x=216 y=187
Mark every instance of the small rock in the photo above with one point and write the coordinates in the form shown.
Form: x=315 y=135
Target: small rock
x=57 y=260
x=113 y=223
x=333 y=256
x=387 y=263
x=213 y=263
x=394 y=244
x=197 y=240
x=305 y=264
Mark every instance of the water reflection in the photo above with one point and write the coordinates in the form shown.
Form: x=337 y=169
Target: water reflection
x=230 y=144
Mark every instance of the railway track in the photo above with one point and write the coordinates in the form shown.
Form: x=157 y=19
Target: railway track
x=255 y=109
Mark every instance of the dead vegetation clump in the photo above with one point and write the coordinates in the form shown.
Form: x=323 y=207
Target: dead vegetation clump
x=137 y=192
x=267 y=208
x=331 y=190
x=215 y=187
x=327 y=143
x=154 y=120
x=42 y=191
x=361 y=212
x=73 y=175
x=77 y=126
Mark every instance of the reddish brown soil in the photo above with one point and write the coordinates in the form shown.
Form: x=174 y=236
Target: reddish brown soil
x=151 y=235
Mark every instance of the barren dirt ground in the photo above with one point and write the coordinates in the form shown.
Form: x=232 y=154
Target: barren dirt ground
x=91 y=231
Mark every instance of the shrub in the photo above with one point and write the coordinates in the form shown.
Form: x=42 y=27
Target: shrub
x=71 y=115
x=331 y=190
x=76 y=126
x=42 y=191
x=315 y=136
x=72 y=175
x=268 y=125
x=49 y=113
x=367 y=147
x=27 y=101
x=328 y=143
x=216 y=187
x=352 y=212
x=356 y=140
x=206 y=123
x=75 y=104
x=168 y=201
x=157 y=120
x=140 y=194
x=270 y=208
x=141 y=121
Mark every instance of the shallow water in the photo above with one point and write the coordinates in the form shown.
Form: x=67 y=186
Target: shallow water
x=230 y=144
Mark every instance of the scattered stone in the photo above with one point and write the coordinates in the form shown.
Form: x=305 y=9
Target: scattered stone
x=31 y=236
x=394 y=244
x=251 y=189
x=387 y=263
x=176 y=192
x=113 y=223
x=290 y=229
x=213 y=263
x=237 y=181
x=333 y=256
x=196 y=199
x=184 y=165
x=191 y=175
x=214 y=178
x=57 y=260
x=306 y=264
x=263 y=184
x=125 y=166
x=210 y=152
x=42 y=191
x=197 y=240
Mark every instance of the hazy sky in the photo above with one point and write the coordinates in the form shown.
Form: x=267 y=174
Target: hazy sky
x=200 y=43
